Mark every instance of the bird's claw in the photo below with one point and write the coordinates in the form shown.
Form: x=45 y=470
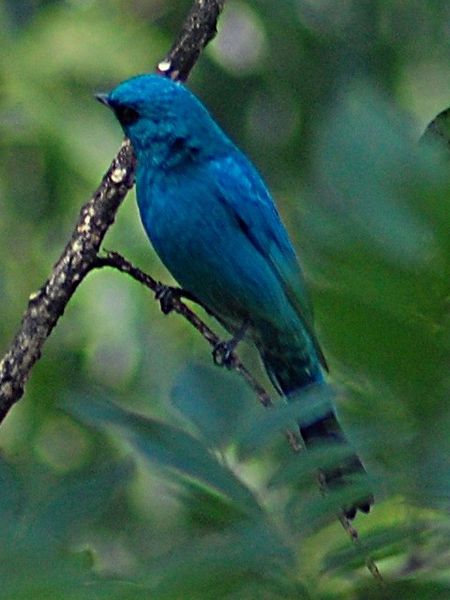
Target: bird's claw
x=166 y=294
x=362 y=505
x=335 y=479
x=223 y=354
x=223 y=351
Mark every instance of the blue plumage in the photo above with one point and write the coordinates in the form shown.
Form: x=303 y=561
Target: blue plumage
x=213 y=223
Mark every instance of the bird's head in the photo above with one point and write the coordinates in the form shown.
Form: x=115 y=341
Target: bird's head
x=158 y=114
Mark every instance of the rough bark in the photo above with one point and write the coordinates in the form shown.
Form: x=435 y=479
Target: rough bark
x=47 y=305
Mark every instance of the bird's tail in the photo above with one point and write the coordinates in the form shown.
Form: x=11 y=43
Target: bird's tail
x=291 y=372
x=325 y=430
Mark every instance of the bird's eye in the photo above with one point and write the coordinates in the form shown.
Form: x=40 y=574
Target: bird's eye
x=126 y=115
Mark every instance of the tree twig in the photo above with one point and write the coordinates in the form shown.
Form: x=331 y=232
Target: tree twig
x=47 y=305
x=117 y=261
x=353 y=534
x=199 y=28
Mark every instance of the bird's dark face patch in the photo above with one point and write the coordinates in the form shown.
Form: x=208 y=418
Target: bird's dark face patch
x=126 y=115
x=164 y=118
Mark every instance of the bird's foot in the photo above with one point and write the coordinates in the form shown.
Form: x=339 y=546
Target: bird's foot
x=335 y=479
x=166 y=294
x=363 y=505
x=223 y=351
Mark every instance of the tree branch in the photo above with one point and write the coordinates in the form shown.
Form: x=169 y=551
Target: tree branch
x=47 y=305
x=174 y=303
x=199 y=28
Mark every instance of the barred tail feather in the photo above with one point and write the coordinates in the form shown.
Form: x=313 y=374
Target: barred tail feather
x=290 y=373
x=325 y=430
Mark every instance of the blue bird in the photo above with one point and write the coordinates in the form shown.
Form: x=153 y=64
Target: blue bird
x=215 y=226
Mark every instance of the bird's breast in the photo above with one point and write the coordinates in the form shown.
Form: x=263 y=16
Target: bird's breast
x=200 y=242
x=188 y=230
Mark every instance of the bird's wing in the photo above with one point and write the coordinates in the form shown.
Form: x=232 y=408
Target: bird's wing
x=247 y=199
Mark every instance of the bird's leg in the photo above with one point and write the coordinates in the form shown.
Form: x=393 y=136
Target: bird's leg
x=222 y=353
x=166 y=294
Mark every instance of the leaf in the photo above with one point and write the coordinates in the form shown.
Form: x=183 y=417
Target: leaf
x=382 y=217
x=425 y=589
x=245 y=557
x=314 y=510
x=303 y=465
x=77 y=499
x=213 y=401
x=379 y=544
x=260 y=428
x=172 y=448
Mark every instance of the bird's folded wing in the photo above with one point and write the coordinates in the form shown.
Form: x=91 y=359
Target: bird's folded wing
x=246 y=198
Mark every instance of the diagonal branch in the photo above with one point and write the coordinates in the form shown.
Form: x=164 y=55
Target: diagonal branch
x=174 y=303
x=47 y=305
x=198 y=29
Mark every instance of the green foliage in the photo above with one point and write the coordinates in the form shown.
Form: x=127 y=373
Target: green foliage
x=135 y=469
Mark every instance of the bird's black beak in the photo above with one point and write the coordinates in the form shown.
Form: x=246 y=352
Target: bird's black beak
x=104 y=99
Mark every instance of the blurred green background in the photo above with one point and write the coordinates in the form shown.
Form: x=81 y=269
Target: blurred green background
x=199 y=496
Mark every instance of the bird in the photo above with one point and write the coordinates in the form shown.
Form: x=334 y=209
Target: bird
x=214 y=225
